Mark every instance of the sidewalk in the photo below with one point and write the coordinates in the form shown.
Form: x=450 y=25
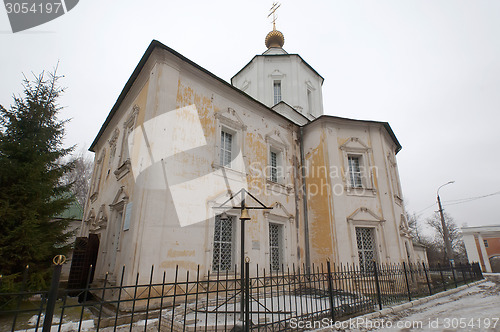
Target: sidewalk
x=475 y=308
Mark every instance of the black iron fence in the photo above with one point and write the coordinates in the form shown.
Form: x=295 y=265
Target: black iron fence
x=267 y=300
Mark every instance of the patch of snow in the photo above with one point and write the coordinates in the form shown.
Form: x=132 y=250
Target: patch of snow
x=472 y=309
x=87 y=325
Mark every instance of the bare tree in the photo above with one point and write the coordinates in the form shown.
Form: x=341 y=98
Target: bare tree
x=80 y=176
x=414 y=225
x=456 y=241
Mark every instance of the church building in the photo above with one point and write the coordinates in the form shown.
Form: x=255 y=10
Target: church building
x=180 y=142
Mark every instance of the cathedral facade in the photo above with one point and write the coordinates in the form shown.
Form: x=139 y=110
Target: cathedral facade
x=180 y=142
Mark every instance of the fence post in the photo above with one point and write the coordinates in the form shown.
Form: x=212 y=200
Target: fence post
x=52 y=296
x=442 y=277
x=479 y=271
x=377 y=285
x=452 y=267
x=427 y=278
x=462 y=267
x=407 y=283
x=330 y=291
x=247 y=296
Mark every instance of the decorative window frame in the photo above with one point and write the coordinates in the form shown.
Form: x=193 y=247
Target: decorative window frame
x=394 y=178
x=118 y=206
x=281 y=216
x=285 y=238
x=101 y=220
x=90 y=220
x=233 y=214
x=229 y=121
x=112 y=147
x=276 y=143
x=310 y=92
x=404 y=229
x=364 y=217
x=213 y=211
x=128 y=128
x=97 y=176
x=277 y=76
x=357 y=148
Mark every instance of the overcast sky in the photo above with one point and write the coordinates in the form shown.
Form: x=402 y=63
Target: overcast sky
x=431 y=68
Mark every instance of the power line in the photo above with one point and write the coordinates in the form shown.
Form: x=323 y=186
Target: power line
x=470 y=199
x=433 y=204
x=459 y=201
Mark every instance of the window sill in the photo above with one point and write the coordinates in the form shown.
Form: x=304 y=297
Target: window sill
x=123 y=170
x=222 y=275
x=229 y=170
x=278 y=187
x=360 y=191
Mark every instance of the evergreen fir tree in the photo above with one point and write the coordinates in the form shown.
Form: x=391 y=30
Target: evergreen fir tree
x=31 y=190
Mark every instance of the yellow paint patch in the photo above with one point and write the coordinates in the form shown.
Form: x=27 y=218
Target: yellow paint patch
x=183 y=265
x=318 y=203
x=180 y=253
x=256 y=152
x=188 y=96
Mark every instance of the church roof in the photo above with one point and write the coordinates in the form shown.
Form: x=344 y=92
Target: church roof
x=154 y=44
x=384 y=124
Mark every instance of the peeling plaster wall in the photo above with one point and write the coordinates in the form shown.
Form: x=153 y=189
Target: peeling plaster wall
x=337 y=209
x=155 y=236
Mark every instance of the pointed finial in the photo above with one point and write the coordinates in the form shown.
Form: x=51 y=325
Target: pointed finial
x=272 y=11
x=274 y=38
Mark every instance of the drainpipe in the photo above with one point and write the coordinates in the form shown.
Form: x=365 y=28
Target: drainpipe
x=304 y=199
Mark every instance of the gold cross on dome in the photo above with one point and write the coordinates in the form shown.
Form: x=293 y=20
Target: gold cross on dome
x=272 y=11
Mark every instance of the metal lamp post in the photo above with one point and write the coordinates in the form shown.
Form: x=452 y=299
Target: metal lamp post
x=446 y=235
x=244 y=216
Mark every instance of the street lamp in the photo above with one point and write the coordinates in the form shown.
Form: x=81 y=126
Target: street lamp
x=244 y=216
x=448 y=253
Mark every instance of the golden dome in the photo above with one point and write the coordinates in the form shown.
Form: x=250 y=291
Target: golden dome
x=275 y=39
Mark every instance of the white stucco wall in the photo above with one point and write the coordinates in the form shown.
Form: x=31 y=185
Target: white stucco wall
x=257 y=79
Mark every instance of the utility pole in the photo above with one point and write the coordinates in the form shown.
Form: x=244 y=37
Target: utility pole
x=446 y=235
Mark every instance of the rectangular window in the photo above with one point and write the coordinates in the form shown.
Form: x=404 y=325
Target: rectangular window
x=226 y=148
x=309 y=101
x=274 y=166
x=485 y=243
x=277 y=92
x=223 y=244
x=355 y=171
x=276 y=246
x=365 y=239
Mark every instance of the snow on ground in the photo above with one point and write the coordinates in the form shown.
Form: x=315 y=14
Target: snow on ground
x=472 y=309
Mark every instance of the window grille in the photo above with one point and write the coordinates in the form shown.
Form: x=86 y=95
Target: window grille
x=275 y=246
x=277 y=92
x=355 y=172
x=223 y=244
x=365 y=239
x=274 y=167
x=226 y=148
